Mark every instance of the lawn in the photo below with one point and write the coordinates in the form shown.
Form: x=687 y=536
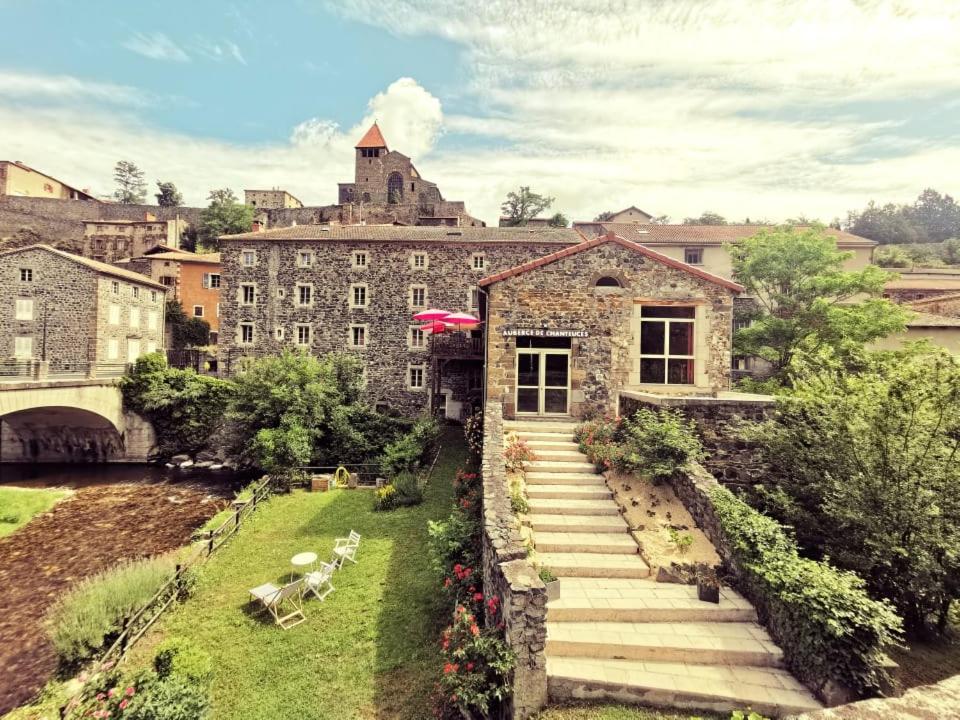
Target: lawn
x=19 y=505
x=615 y=712
x=369 y=651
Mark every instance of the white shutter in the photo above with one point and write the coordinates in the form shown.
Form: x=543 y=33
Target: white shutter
x=206 y=280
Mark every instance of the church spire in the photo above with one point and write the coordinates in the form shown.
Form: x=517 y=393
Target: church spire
x=373 y=138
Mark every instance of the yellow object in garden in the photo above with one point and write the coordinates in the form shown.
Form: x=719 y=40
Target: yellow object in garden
x=341 y=477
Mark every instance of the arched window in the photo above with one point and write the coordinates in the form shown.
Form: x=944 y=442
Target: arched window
x=395 y=188
x=608 y=281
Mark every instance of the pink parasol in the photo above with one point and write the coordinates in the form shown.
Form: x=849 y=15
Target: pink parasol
x=435 y=327
x=432 y=314
x=461 y=319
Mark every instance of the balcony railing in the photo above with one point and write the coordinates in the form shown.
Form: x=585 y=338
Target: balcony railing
x=38 y=370
x=456 y=345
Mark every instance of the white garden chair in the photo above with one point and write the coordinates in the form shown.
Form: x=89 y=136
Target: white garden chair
x=346 y=549
x=318 y=581
x=276 y=598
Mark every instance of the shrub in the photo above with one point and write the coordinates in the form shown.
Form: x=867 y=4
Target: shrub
x=546 y=574
x=827 y=624
x=657 y=444
x=384 y=498
x=178 y=657
x=517 y=454
x=402 y=455
x=473 y=431
x=681 y=541
x=425 y=433
x=84 y=619
x=403 y=491
x=598 y=441
x=170 y=698
x=518 y=503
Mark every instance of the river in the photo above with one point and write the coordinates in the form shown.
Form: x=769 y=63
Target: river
x=80 y=475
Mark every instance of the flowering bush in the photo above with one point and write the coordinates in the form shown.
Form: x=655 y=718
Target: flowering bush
x=457 y=539
x=473 y=431
x=384 y=498
x=598 y=441
x=517 y=453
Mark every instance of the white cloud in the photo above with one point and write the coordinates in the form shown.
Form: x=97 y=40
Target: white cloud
x=34 y=86
x=220 y=50
x=156 y=46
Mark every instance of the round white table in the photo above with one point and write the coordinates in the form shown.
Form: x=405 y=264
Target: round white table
x=303 y=561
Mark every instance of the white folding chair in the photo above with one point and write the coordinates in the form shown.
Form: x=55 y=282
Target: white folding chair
x=346 y=549
x=318 y=581
x=273 y=598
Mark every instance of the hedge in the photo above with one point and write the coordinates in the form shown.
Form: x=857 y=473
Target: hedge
x=827 y=624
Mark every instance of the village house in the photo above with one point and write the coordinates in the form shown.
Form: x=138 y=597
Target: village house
x=270 y=199
x=112 y=240
x=21 y=180
x=67 y=314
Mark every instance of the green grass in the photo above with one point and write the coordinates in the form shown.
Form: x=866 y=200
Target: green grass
x=19 y=505
x=616 y=712
x=369 y=651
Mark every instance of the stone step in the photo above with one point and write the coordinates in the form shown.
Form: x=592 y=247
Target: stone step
x=550 y=466
x=565 y=542
x=594 y=565
x=539 y=426
x=570 y=492
x=727 y=643
x=542 y=455
x=544 y=436
x=629 y=600
x=541 y=523
x=564 y=479
x=539 y=446
x=711 y=688
x=563 y=506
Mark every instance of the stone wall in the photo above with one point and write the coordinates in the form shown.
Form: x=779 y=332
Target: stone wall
x=927 y=702
x=510 y=575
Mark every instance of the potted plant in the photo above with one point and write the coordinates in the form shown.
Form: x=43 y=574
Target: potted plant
x=708 y=584
x=551 y=581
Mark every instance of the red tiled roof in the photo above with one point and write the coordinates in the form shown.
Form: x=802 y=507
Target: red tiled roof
x=614 y=238
x=373 y=138
x=705 y=234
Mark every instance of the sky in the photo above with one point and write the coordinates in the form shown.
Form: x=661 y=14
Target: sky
x=762 y=109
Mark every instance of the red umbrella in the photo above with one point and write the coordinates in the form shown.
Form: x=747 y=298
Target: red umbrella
x=432 y=314
x=435 y=327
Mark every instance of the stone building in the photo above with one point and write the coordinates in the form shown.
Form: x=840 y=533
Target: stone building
x=21 y=180
x=69 y=314
x=270 y=199
x=921 y=284
x=111 y=240
x=627 y=317
x=355 y=289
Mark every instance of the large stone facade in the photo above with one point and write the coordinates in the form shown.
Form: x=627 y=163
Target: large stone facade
x=73 y=314
x=112 y=240
x=571 y=293
x=270 y=199
x=451 y=262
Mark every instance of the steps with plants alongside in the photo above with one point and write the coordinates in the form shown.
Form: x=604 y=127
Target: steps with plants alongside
x=614 y=633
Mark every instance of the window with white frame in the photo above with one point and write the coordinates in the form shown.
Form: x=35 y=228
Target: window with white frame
x=693 y=255
x=153 y=296
x=667 y=344
x=248 y=258
x=305 y=258
x=24 y=309
x=135 y=291
x=246 y=333
x=23 y=347
x=134 y=317
x=152 y=319
x=198 y=310
x=360 y=259
x=113 y=314
x=133 y=349
x=418 y=261
x=478 y=261
x=417 y=339
x=248 y=294
x=473 y=298
x=279 y=333
x=304 y=295
x=358 y=295
x=211 y=281
x=418 y=296
x=26 y=274
x=113 y=349
x=415 y=377
x=115 y=287
x=303 y=334
x=358 y=336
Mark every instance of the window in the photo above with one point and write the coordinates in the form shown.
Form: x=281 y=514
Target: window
x=24 y=309
x=369 y=152
x=416 y=377
x=418 y=261
x=152 y=320
x=23 y=347
x=211 y=281
x=134 y=317
x=473 y=298
x=113 y=349
x=135 y=291
x=418 y=296
x=474 y=377
x=249 y=258
x=358 y=296
x=279 y=333
x=153 y=296
x=113 y=316
x=133 y=349
x=167 y=280
x=608 y=281
x=198 y=310
x=693 y=256
x=478 y=261
x=417 y=339
x=115 y=287
x=246 y=333
x=248 y=294
x=304 y=259
x=394 y=188
x=304 y=294
x=360 y=259
x=26 y=275
x=303 y=334
x=666 y=345
x=358 y=336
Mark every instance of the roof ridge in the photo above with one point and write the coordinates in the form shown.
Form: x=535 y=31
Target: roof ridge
x=95 y=265
x=373 y=138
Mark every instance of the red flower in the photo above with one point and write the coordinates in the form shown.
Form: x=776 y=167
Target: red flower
x=474 y=630
x=101 y=697
x=457 y=568
x=448 y=668
x=446 y=582
x=477 y=597
x=130 y=691
x=111 y=692
x=124 y=703
x=472 y=588
x=469 y=666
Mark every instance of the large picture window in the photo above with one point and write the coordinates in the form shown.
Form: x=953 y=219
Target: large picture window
x=666 y=345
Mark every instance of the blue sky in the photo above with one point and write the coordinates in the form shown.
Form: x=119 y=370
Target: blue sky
x=764 y=110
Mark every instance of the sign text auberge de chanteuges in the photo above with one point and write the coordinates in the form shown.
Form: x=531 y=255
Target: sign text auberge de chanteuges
x=545 y=332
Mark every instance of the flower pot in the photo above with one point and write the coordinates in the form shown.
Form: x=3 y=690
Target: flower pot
x=553 y=590
x=319 y=483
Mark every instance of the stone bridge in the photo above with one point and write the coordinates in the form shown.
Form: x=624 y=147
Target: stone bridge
x=73 y=420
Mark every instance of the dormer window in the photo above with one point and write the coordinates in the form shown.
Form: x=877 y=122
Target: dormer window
x=608 y=281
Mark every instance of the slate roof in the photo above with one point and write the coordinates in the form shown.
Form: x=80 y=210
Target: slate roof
x=100 y=267
x=373 y=138
x=614 y=238
x=419 y=233
x=706 y=234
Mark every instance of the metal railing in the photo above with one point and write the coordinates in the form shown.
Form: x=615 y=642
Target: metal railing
x=456 y=345
x=40 y=370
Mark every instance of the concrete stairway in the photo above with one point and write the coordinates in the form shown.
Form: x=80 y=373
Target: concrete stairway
x=615 y=634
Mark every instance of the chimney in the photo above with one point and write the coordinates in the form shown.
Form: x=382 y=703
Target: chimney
x=256 y=226
x=149 y=217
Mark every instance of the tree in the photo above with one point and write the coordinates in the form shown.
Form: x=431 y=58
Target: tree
x=707 y=218
x=131 y=188
x=936 y=216
x=951 y=251
x=867 y=471
x=892 y=256
x=604 y=216
x=801 y=291
x=660 y=220
x=168 y=196
x=886 y=224
x=224 y=216
x=185 y=331
x=559 y=220
x=520 y=206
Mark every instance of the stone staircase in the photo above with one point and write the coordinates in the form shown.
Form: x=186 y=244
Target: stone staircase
x=617 y=635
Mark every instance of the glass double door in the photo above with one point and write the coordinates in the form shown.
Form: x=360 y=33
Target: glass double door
x=543 y=382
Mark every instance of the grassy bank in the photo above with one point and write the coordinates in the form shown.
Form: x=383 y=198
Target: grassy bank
x=19 y=505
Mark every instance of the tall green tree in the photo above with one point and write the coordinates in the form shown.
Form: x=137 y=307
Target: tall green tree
x=185 y=331
x=937 y=215
x=888 y=223
x=707 y=218
x=604 y=216
x=131 y=187
x=521 y=206
x=559 y=220
x=168 y=196
x=805 y=299
x=866 y=469
x=225 y=216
